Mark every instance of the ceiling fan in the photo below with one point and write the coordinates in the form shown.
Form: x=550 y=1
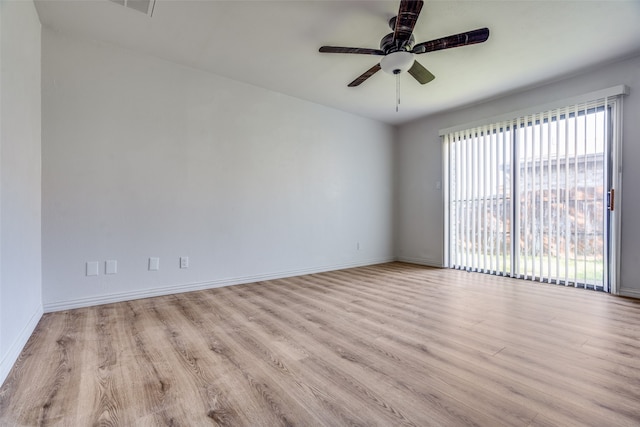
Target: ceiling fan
x=398 y=48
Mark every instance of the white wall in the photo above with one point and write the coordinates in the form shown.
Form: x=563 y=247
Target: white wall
x=420 y=204
x=20 y=267
x=146 y=158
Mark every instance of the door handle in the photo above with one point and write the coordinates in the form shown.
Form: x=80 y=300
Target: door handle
x=611 y=199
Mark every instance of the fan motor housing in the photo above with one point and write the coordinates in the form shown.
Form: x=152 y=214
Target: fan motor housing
x=388 y=45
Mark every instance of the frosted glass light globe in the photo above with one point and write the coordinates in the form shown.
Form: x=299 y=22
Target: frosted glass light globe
x=395 y=61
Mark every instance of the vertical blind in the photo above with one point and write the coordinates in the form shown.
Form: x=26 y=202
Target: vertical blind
x=527 y=197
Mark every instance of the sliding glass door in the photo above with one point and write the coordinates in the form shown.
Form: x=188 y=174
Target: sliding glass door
x=529 y=197
x=480 y=207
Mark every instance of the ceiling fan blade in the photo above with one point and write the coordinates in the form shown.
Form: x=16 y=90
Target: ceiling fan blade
x=406 y=20
x=421 y=74
x=463 y=39
x=364 y=76
x=360 y=50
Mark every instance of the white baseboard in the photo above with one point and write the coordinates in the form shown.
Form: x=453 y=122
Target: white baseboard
x=13 y=352
x=633 y=293
x=188 y=287
x=429 y=262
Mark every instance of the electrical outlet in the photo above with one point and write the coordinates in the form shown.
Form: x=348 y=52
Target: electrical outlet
x=184 y=262
x=111 y=266
x=154 y=264
x=92 y=268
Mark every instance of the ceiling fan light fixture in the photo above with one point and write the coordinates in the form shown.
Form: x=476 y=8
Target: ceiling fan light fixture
x=398 y=48
x=395 y=61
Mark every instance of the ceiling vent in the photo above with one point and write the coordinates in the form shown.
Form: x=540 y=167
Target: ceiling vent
x=144 y=6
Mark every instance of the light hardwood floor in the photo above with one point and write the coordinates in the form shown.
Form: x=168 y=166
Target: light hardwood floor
x=391 y=344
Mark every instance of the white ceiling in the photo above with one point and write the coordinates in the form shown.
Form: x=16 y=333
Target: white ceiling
x=274 y=44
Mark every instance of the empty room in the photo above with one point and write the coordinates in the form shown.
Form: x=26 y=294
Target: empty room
x=319 y=213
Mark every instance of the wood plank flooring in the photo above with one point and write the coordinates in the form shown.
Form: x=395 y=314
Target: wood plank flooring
x=391 y=344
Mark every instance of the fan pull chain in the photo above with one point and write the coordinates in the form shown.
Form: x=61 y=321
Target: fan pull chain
x=397 y=89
